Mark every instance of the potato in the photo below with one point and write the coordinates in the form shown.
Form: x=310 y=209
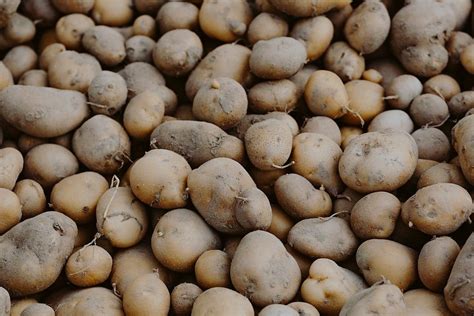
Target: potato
x=455 y=45
x=26 y=142
x=73 y=6
x=19 y=60
x=307 y=8
x=260 y=282
x=70 y=28
x=266 y=26
x=183 y=296
x=106 y=44
x=10 y=210
x=460 y=103
x=345 y=201
x=459 y=288
x=143 y=114
x=131 y=263
x=11 y=165
x=402 y=90
x=429 y=109
x=443 y=86
x=389 y=68
x=366 y=101
x=212 y=269
x=380 y=161
x=145 y=25
x=141 y=76
x=375 y=215
x=147 y=295
x=19 y=29
x=101 y=144
x=397 y=120
x=300 y=199
x=277 y=58
x=34 y=252
x=424 y=302
x=253 y=210
x=177 y=15
x=315 y=33
x=373 y=76
x=397 y=264
x=34 y=77
x=466 y=58
x=323 y=125
x=107 y=93
x=184 y=113
x=277 y=309
x=384 y=299
x=435 y=262
x=341 y=59
x=281 y=223
x=323 y=237
x=432 y=144
x=38 y=310
x=368 y=26
x=198 y=142
x=442 y=173
x=221 y=101
x=31 y=196
x=6 y=78
x=303 y=261
x=19 y=305
x=251 y=119
x=7 y=8
x=304 y=309
x=316 y=157
x=216 y=64
x=462 y=143
x=330 y=286
x=221 y=301
x=89 y=266
x=121 y=218
x=50 y=163
x=49 y=54
x=300 y=79
x=438 y=209
x=171 y=246
x=77 y=195
x=326 y=95
x=112 y=12
x=275 y=95
x=139 y=48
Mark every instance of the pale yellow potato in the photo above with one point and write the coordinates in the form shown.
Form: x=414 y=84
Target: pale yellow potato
x=112 y=12
x=10 y=210
x=70 y=28
x=147 y=295
x=212 y=269
x=11 y=165
x=88 y=266
x=366 y=101
x=31 y=196
x=315 y=33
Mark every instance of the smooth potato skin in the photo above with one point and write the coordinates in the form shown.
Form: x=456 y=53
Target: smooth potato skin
x=147 y=295
x=89 y=266
x=424 y=302
x=5 y=304
x=10 y=210
x=221 y=301
x=183 y=297
x=463 y=143
x=11 y=165
x=38 y=309
x=277 y=309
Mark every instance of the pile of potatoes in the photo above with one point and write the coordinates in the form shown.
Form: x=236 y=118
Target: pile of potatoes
x=236 y=157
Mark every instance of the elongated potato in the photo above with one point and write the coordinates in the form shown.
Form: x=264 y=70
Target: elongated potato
x=442 y=173
x=253 y=210
x=106 y=44
x=11 y=165
x=144 y=112
x=306 y=8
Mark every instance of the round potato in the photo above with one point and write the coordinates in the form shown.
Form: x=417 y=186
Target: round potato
x=373 y=76
x=183 y=297
x=216 y=301
x=147 y=295
x=144 y=112
x=443 y=86
x=107 y=93
x=397 y=120
x=11 y=165
x=402 y=90
x=343 y=60
x=315 y=33
x=10 y=210
x=460 y=103
x=70 y=28
x=89 y=266
x=139 y=48
x=304 y=309
x=49 y=54
x=366 y=101
x=323 y=125
x=144 y=25
x=141 y=76
x=432 y=144
x=31 y=196
x=19 y=60
x=266 y=26
x=275 y=95
x=177 y=15
x=106 y=44
x=429 y=110
x=424 y=302
x=19 y=29
x=212 y=269
x=34 y=77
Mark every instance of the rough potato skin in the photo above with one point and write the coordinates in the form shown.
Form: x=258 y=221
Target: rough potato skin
x=5 y=304
x=460 y=103
x=221 y=301
x=106 y=44
x=345 y=61
x=33 y=253
x=183 y=297
x=463 y=143
x=274 y=95
x=304 y=309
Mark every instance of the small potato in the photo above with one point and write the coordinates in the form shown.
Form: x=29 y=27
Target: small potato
x=429 y=109
x=375 y=215
x=121 y=218
x=70 y=28
x=432 y=144
x=19 y=305
x=49 y=54
x=139 y=48
x=6 y=78
x=345 y=202
x=373 y=76
x=276 y=95
x=222 y=301
x=424 y=302
x=183 y=297
x=329 y=286
x=19 y=29
x=225 y=20
x=343 y=60
x=461 y=103
x=326 y=95
x=442 y=173
x=158 y=179
x=366 y=101
x=463 y=144
x=73 y=71
x=277 y=58
x=170 y=242
x=323 y=125
x=259 y=282
x=147 y=295
x=141 y=76
x=397 y=263
x=107 y=93
x=307 y=8
x=339 y=17
x=443 y=86
x=467 y=57
x=112 y=12
x=50 y=163
x=38 y=310
x=277 y=309
x=389 y=68
x=106 y=44
x=145 y=25
x=73 y=6
x=251 y=119
x=438 y=209
x=455 y=45
x=101 y=144
x=77 y=195
x=34 y=77
x=31 y=196
x=10 y=210
x=315 y=33
x=281 y=223
x=143 y=114
x=435 y=262
x=89 y=266
x=19 y=60
x=397 y=120
x=323 y=237
x=221 y=101
x=177 y=15
x=316 y=158
x=11 y=165
x=212 y=269
x=266 y=26
x=368 y=26
x=380 y=161
x=300 y=199
x=304 y=309
x=253 y=210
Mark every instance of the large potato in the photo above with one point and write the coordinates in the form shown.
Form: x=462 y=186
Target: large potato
x=11 y=165
x=463 y=143
x=221 y=301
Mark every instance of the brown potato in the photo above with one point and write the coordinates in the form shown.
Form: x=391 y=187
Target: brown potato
x=251 y=119
x=212 y=269
x=147 y=295
x=307 y=8
x=31 y=196
x=177 y=15
x=19 y=29
x=275 y=95
x=70 y=28
x=253 y=210
x=266 y=26
x=277 y=309
x=461 y=103
x=145 y=25
x=49 y=54
x=300 y=79
x=106 y=44
x=6 y=78
x=144 y=112
x=343 y=60
x=112 y=12
x=10 y=210
x=281 y=223
x=432 y=144
x=11 y=165
x=424 y=302
x=139 y=48
x=73 y=6
x=107 y=93
x=19 y=60
x=366 y=101
x=26 y=142
x=323 y=125
x=397 y=120
x=183 y=296
x=218 y=300
x=429 y=109
x=89 y=266
x=38 y=310
x=141 y=76
x=467 y=57
x=315 y=33
x=442 y=173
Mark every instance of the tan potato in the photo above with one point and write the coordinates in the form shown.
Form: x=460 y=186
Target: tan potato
x=73 y=6
x=276 y=95
x=145 y=25
x=143 y=114
x=101 y=144
x=77 y=195
x=258 y=281
x=345 y=202
x=70 y=28
x=442 y=173
x=424 y=302
x=300 y=199
x=177 y=15
x=429 y=109
x=11 y=165
x=139 y=48
x=7 y=9
x=438 y=209
x=212 y=269
x=432 y=144
x=26 y=142
x=443 y=86
x=389 y=68
x=47 y=38
x=330 y=286
x=304 y=262
x=277 y=309
x=266 y=26
x=315 y=33
x=173 y=248
x=304 y=309
x=323 y=125
x=253 y=210
x=183 y=297
x=184 y=112
x=50 y=163
x=19 y=305
x=300 y=79
x=10 y=210
x=343 y=60
x=316 y=157
x=106 y=44
x=38 y=310
x=461 y=103
x=467 y=57
x=455 y=45
x=397 y=264
x=19 y=60
x=31 y=196
x=6 y=78
x=112 y=12
x=147 y=295
x=281 y=223
x=107 y=93
x=373 y=76
x=251 y=119
x=19 y=29
x=220 y=301
x=121 y=218
x=49 y=54
x=307 y=8
x=141 y=76
x=366 y=101
x=348 y=133
x=462 y=143
x=34 y=77
x=397 y=120
x=89 y=266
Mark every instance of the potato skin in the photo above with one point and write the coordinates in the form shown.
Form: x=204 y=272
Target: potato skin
x=11 y=165
x=34 y=252
x=432 y=144
x=315 y=33
x=183 y=297
x=424 y=302
x=147 y=295
x=10 y=210
x=323 y=125
x=442 y=173
x=463 y=144
x=141 y=76
x=366 y=101
x=304 y=309
x=274 y=95
x=38 y=309
x=144 y=112
x=266 y=26
x=106 y=44
x=460 y=103
x=306 y=8
x=177 y=15
x=343 y=60
x=277 y=309
x=107 y=93
x=212 y=269
x=404 y=88
x=70 y=28
x=89 y=266
x=220 y=301
x=31 y=196
x=56 y=112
